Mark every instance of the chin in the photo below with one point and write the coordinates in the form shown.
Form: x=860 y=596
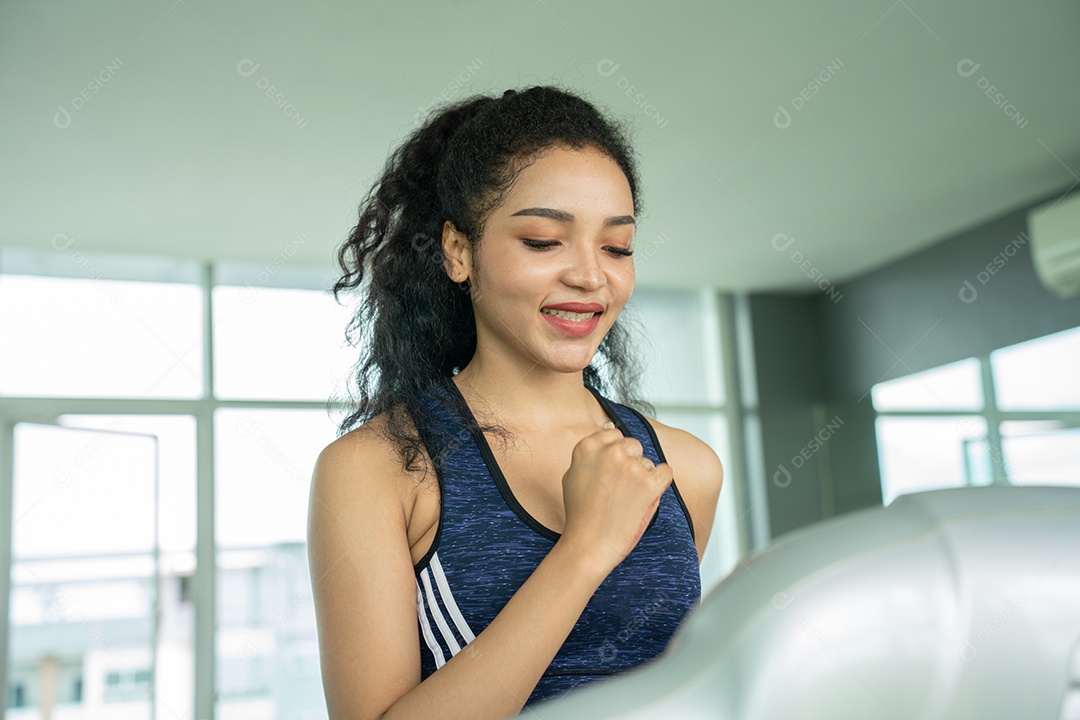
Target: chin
x=570 y=363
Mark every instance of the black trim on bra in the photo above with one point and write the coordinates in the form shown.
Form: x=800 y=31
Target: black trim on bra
x=496 y=473
x=660 y=454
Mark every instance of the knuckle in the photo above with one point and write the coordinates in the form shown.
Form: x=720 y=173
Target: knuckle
x=614 y=449
x=584 y=444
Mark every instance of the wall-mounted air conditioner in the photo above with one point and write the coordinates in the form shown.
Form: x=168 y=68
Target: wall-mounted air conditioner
x=1054 y=230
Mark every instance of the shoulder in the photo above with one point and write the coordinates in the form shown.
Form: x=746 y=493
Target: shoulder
x=364 y=444
x=698 y=474
x=700 y=464
x=361 y=464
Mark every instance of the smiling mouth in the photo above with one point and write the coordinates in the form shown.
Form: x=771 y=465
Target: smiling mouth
x=567 y=315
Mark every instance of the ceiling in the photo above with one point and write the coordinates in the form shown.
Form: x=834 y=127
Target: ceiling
x=846 y=134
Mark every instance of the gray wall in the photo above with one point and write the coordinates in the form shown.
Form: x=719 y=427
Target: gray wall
x=915 y=308
x=787 y=360
x=816 y=359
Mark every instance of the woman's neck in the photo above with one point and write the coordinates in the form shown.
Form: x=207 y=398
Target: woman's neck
x=536 y=397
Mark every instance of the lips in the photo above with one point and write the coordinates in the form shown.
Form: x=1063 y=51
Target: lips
x=577 y=307
x=579 y=327
x=572 y=328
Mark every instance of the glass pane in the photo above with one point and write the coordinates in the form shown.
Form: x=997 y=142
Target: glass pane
x=680 y=345
x=956 y=386
x=928 y=453
x=175 y=662
x=279 y=343
x=84 y=577
x=1039 y=374
x=99 y=338
x=1041 y=453
x=176 y=447
x=723 y=551
x=267 y=643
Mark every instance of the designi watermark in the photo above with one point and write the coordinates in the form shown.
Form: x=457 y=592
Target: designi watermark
x=247 y=67
x=968 y=292
x=458 y=83
x=782 y=476
x=607 y=67
x=968 y=67
x=62 y=118
x=782 y=241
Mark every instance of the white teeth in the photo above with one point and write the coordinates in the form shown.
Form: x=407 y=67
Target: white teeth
x=566 y=315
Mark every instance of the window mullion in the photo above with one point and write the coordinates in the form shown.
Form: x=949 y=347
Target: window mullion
x=204 y=591
x=993 y=422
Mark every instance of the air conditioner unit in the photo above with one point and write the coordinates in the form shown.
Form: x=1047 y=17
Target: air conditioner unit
x=1054 y=230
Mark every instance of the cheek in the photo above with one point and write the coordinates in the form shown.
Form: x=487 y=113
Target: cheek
x=521 y=286
x=622 y=278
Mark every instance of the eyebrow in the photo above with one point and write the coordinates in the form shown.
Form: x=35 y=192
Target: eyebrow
x=563 y=216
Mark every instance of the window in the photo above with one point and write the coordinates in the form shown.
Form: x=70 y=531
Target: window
x=926 y=453
x=1041 y=452
x=679 y=331
x=126 y=685
x=954 y=386
x=63 y=334
x=264 y=463
x=102 y=370
x=282 y=338
x=84 y=565
x=1042 y=374
x=1025 y=428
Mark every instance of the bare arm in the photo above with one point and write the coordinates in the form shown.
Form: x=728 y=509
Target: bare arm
x=365 y=598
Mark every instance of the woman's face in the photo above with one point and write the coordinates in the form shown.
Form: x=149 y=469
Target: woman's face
x=579 y=204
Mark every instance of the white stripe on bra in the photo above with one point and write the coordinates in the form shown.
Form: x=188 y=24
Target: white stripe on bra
x=425 y=627
x=436 y=613
x=448 y=599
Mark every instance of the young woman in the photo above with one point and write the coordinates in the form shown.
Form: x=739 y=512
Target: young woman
x=454 y=576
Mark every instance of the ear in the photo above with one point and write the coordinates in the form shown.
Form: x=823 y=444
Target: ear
x=456 y=248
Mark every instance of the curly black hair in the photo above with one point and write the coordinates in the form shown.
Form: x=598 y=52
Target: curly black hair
x=415 y=326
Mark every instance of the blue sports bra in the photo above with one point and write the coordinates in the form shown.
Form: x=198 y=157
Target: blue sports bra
x=486 y=546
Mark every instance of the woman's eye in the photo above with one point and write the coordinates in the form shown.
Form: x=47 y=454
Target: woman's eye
x=539 y=243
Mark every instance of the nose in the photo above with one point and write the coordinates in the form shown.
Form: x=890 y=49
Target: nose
x=585 y=270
